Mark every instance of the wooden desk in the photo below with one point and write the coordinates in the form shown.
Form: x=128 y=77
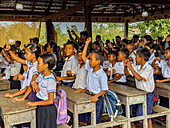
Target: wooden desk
x=13 y=113
x=79 y=103
x=129 y=96
x=164 y=90
x=4 y=84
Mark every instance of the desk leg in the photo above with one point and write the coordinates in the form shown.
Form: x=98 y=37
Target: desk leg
x=6 y=122
x=128 y=113
x=33 y=121
x=144 y=105
x=93 y=115
x=75 y=117
x=168 y=120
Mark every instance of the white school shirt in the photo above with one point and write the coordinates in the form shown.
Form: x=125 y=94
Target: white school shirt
x=119 y=67
x=151 y=59
x=81 y=77
x=4 y=63
x=7 y=71
x=106 y=64
x=46 y=84
x=24 y=82
x=133 y=55
x=15 y=68
x=147 y=83
x=32 y=70
x=68 y=65
x=96 y=81
x=165 y=68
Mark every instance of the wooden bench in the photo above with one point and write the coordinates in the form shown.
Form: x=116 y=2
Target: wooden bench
x=161 y=111
x=4 y=84
x=119 y=120
x=63 y=126
x=129 y=96
x=79 y=103
x=14 y=113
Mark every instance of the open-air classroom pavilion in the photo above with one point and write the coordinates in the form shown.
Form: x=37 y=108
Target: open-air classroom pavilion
x=88 y=11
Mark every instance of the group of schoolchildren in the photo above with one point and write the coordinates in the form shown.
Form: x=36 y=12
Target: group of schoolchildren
x=87 y=67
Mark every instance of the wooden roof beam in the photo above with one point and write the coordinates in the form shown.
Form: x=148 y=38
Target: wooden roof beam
x=33 y=5
x=49 y=6
x=73 y=9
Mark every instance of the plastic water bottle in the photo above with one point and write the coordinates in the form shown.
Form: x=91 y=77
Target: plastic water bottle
x=118 y=106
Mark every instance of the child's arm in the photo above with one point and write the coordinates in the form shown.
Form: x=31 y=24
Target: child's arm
x=18 y=77
x=7 y=58
x=65 y=78
x=135 y=74
x=85 y=49
x=130 y=59
x=95 y=97
x=16 y=94
x=8 y=47
x=156 y=71
x=105 y=50
x=115 y=79
x=77 y=37
x=162 y=81
x=43 y=103
x=29 y=90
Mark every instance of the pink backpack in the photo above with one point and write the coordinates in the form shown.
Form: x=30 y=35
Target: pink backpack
x=61 y=105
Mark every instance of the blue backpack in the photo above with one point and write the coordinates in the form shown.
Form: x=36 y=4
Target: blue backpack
x=110 y=100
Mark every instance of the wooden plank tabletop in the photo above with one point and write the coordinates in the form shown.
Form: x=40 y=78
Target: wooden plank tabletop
x=125 y=90
x=163 y=85
x=4 y=81
x=77 y=98
x=9 y=107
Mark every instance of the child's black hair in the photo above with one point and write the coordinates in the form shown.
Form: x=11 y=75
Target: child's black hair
x=125 y=41
x=18 y=42
x=13 y=48
x=117 y=49
x=148 y=38
x=72 y=43
x=125 y=51
x=98 y=36
x=34 y=48
x=136 y=36
x=113 y=53
x=45 y=47
x=151 y=45
x=145 y=53
x=49 y=59
x=1 y=49
x=53 y=45
x=36 y=40
x=80 y=50
x=168 y=49
x=118 y=37
x=99 y=56
x=85 y=33
x=96 y=43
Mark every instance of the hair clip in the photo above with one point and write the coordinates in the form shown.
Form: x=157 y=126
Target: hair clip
x=29 y=47
x=51 y=70
x=34 y=50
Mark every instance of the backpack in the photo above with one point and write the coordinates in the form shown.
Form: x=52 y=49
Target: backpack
x=110 y=100
x=156 y=96
x=61 y=105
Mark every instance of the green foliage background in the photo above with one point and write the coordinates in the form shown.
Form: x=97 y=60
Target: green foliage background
x=23 y=31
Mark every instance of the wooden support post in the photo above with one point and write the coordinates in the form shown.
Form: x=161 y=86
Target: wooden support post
x=49 y=30
x=126 y=29
x=88 y=22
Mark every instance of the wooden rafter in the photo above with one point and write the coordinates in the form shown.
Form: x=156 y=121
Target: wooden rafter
x=49 y=6
x=33 y=5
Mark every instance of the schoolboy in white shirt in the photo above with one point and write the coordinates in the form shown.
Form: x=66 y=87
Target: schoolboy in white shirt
x=143 y=73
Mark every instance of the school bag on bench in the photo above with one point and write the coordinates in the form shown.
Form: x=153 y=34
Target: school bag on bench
x=61 y=105
x=112 y=104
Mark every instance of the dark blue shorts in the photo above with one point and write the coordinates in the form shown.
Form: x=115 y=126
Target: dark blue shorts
x=150 y=100
x=99 y=112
